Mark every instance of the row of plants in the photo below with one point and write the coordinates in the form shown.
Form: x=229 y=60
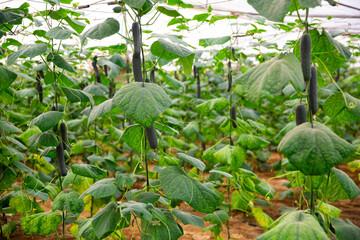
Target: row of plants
x=84 y=142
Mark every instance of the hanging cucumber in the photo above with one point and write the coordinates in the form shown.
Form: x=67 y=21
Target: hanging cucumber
x=40 y=91
x=300 y=114
x=233 y=116
x=63 y=134
x=96 y=70
x=305 y=56
x=151 y=136
x=137 y=68
x=60 y=158
x=136 y=38
x=313 y=92
x=106 y=70
x=152 y=75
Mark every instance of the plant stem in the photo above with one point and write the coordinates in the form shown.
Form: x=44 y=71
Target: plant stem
x=147 y=174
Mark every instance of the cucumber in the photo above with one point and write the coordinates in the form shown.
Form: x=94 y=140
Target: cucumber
x=137 y=38
x=53 y=108
x=233 y=116
x=152 y=76
x=96 y=70
x=305 y=56
x=229 y=82
x=111 y=89
x=313 y=92
x=300 y=114
x=40 y=91
x=137 y=68
x=60 y=159
x=195 y=71
x=233 y=53
x=151 y=136
x=106 y=70
x=63 y=134
x=41 y=73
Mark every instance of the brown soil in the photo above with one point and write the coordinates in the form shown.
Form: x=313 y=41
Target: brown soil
x=241 y=226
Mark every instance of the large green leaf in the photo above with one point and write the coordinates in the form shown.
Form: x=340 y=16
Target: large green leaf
x=60 y=62
x=106 y=220
x=217 y=104
x=7 y=77
x=59 y=32
x=96 y=89
x=314 y=150
x=100 y=110
x=27 y=51
x=218 y=217
x=134 y=137
x=252 y=142
x=137 y=4
x=88 y=170
x=205 y=42
x=27 y=92
x=76 y=95
x=168 y=229
x=345 y=230
x=170 y=51
x=41 y=223
x=342 y=107
x=8 y=127
x=262 y=218
x=340 y=186
x=193 y=161
x=68 y=200
x=21 y=203
x=124 y=180
x=274 y=10
x=143 y=102
x=102 y=30
x=46 y=139
x=75 y=24
x=232 y=156
x=187 y=218
x=86 y=230
x=168 y=11
x=272 y=76
x=47 y=120
x=178 y=185
x=310 y=3
x=103 y=188
x=113 y=65
x=296 y=226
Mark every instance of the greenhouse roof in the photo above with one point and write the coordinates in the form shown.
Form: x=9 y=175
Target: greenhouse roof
x=342 y=19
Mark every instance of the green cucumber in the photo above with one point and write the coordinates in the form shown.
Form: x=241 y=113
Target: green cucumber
x=305 y=56
x=300 y=114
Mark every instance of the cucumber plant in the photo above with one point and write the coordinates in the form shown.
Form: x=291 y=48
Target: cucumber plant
x=130 y=146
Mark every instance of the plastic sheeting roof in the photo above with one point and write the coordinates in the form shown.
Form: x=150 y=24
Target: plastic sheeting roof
x=344 y=20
